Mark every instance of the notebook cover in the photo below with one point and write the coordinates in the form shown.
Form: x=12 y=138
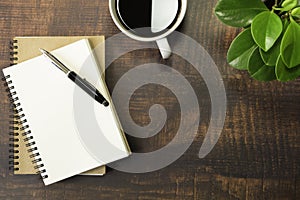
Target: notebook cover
x=24 y=48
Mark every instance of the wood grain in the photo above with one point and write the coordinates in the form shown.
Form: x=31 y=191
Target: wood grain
x=257 y=156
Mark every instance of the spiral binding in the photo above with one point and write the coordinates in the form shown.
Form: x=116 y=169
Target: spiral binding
x=14 y=125
x=14 y=52
x=18 y=123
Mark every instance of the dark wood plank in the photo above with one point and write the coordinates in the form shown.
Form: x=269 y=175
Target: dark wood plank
x=257 y=156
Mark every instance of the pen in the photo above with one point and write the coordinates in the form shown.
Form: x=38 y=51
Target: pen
x=82 y=83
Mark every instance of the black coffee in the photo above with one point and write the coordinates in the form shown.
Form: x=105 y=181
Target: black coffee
x=147 y=18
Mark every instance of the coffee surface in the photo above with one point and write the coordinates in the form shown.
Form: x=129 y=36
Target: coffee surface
x=136 y=16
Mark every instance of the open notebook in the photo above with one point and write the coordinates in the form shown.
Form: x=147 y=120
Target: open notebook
x=25 y=48
x=59 y=130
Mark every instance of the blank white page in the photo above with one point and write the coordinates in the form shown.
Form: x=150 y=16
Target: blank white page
x=69 y=128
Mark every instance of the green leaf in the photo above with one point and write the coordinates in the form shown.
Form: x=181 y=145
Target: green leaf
x=266 y=28
x=288 y=5
x=240 y=50
x=259 y=70
x=238 y=13
x=270 y=57
x=283 y=73
x=290 y=45
x=296 y=12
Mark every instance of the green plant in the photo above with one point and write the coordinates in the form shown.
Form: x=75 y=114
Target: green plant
x=269 y=45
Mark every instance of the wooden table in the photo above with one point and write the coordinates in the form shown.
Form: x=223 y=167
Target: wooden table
x=256 y=157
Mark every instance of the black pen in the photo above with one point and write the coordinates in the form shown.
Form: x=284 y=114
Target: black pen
x=82 y=83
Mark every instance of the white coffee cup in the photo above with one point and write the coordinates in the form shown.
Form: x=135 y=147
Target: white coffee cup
x=161 y=40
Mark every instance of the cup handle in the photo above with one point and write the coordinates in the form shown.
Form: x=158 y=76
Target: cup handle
x=164 y=48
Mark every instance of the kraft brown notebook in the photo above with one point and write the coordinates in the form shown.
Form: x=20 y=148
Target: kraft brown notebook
x=24 y=48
